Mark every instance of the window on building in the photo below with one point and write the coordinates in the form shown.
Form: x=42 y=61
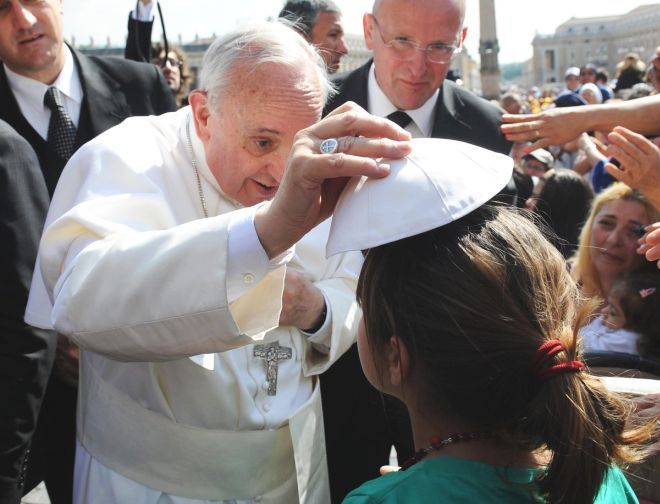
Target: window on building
x=549 y=59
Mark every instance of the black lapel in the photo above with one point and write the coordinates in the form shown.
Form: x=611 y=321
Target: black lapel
x=11 y=113
x=353 y=87
x=104 y=104
x=357 y=85
x=447 y=122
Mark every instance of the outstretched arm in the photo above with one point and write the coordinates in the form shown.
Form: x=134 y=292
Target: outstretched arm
x=562 y=125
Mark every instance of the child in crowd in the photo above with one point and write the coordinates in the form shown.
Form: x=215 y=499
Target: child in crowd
x=470 y=318
x=630 y=322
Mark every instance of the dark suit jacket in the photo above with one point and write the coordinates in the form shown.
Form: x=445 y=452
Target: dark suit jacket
x=26 y=353
x=113 y=88
x=459 y=114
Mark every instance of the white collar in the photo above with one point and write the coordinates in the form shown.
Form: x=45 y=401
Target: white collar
x=380 y=105
x=32 y=91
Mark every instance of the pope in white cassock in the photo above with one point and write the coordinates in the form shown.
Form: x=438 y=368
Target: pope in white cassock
x=168 y=256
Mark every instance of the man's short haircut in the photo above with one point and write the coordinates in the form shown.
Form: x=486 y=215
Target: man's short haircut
x=245 y=49
x=304 y=13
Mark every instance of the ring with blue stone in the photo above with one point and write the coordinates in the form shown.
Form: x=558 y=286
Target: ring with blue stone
x=329 y=146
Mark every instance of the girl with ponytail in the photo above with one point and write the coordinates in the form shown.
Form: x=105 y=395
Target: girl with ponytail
x=472 y=323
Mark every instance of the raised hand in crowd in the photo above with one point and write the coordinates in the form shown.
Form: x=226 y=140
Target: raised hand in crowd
x=561 y=125
x=639 y=160
x=649 y=244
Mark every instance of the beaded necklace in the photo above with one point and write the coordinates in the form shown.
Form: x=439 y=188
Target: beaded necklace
x=437 y=443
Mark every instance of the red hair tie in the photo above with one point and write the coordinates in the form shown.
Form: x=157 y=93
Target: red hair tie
x=544 y=353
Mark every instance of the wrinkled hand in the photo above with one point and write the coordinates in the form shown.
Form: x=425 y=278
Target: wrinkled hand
x=302 y=302
x=647 y=407
x=551 y=127
x=312 y=181
x=649 y=244
x=640 y=162
x=67 y=355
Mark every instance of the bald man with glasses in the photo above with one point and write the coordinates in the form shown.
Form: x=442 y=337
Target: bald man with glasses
x=413 y=44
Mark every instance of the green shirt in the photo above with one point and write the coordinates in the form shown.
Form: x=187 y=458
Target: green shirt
x=452 y=480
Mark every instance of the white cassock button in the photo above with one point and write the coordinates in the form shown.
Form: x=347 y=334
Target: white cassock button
x=265 y=385
x=248 y=278
x=266 y=406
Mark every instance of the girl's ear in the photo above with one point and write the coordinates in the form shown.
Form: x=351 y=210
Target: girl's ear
x=398 y=361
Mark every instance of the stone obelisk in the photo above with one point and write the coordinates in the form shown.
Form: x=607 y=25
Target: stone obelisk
x=488 y=49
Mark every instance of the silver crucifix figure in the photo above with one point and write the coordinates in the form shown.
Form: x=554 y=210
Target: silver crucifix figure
x=272 y=353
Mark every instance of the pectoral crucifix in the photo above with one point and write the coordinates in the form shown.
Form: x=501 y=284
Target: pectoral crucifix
x=272 y=354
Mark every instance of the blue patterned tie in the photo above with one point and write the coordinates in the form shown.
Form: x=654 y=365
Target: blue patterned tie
x=61 y=130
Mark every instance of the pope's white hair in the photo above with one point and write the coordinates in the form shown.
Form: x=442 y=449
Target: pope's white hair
x=245 y=49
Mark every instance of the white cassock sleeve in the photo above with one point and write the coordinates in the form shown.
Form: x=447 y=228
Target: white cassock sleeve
x=120 y=274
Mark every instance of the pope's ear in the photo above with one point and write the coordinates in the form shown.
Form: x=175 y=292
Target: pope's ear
x=199 y=103
x=398 y=361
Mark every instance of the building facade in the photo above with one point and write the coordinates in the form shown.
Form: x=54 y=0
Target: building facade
x=603 y=41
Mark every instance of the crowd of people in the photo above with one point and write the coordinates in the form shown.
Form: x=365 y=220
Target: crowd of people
x=588 y=85
x=185 y=320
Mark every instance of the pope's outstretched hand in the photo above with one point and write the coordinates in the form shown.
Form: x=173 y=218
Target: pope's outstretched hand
x=313 y=181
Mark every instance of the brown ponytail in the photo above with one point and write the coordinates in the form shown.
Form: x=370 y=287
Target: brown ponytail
x=585 y=428
x=473 y=301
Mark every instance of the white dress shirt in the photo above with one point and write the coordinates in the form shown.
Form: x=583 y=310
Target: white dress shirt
x=380 y=105
x=30 y=93
x=143 y=12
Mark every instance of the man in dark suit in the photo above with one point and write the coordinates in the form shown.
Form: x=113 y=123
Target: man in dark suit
x=413 y=43
x=110 y=89
x=57 y=99
x=26 y=353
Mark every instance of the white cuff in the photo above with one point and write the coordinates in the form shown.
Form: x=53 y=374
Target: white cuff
x=247 y=261
x=143 y=12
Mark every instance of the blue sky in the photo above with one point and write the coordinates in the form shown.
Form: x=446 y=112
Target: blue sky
x=517 y=20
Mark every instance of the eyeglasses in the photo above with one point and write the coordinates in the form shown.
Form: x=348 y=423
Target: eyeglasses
x=405 y=49
x=174 y=62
